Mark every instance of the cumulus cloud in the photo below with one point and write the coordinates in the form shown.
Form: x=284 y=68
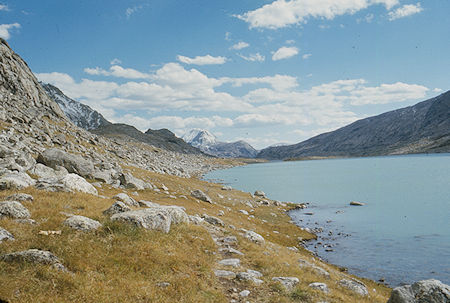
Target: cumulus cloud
x=240 y=45
x=405 y=11
x=387 y=93
x=253 y=57
x=117 y=71
x=6 y=28
x=202 y=60
x=282 y=13
x=284 y=53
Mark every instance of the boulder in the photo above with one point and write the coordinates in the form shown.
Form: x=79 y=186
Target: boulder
x=51 y=184
x=76 y=183
x=198 y=194
x=14 y=210
x=43 y=171
x=254 y=237
x=224 y=274
x=260 y=193
x=213 y=220
x=250 y=275
x=35 y=256
x=426 y=291
x=287 y=282
x=20 y=197
x=15 y=180
x=117 y=207
x=143 y=203
x=230 y=262
x=76 y=164
x=82 y=223
x=130 y=182
x=320 y=286
x=5 y=235
x=355 y=286
x=126 y=199
x=155 y=219
x=317 y=269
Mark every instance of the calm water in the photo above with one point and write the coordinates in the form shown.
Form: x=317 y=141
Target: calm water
x=403 y=232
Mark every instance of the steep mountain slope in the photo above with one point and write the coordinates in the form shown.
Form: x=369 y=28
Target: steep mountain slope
x=207 y=142
x=80 y=114
x=422 y=128
x=162 y=138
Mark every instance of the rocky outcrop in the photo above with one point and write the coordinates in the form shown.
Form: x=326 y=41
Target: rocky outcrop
x=426 y=291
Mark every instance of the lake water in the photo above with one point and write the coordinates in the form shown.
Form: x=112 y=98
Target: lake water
x=402 y=234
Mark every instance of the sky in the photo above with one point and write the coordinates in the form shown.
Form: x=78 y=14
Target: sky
x=263 y=71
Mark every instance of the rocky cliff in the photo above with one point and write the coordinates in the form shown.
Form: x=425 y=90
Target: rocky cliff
x=422 y=128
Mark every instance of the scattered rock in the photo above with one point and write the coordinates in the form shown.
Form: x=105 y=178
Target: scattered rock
x=20 y=197
x=126 y=199
x=13 y=209
x=82 y=223
x=163 y=284
x=230 y=262
x=224 y=274
x=355 y=286
x=254 y=237
x=356 y=203
x=426 y=291
x=76 y=164
x=5 y=235
x=35 y=256
x=250 y=275
x=198 y=194
x=15 y=180
x=320 y=286
x=288 y=282
x=213 y=220
x=117 y=207
x=76 y=183
x=243 y=211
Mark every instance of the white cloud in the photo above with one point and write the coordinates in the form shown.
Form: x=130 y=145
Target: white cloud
x=306 y=56
x=131 y=10
x=284 y=53
x=228 y=36
x=405 y=11
x=117 y=71
x=202 y=60
x=6 y=28
x=278 y=82
x=282 y=13
x=4 y=7
x=368 y=18
x=240 y=45
x=115 y=61
x=253 y=57
x=438 y=90
x=290 y=41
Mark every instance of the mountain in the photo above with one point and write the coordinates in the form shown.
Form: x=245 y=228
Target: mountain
x=80 y=114
x=162 y=138
x=207 y=142
x=421 y=128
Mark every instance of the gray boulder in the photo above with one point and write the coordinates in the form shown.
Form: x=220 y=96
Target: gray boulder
x=20 y=197
x=426 y=291
x=117 y=207
x=213 y=220
x=355 y=286
x=126 y=199
x=51 y=184
x=260 y=193
x=76 y=164
x=35 y=256
x=320 y=286
x=224 y=274
x=198 y=194
x=5 y=235
x=43 y=171
x=15 y=180
x=230 y=262
x=130 y=182
x=287 y=282
x=250 y=275
x=254 y=237
x=155 y=219
x=13 y=209
x=76 y=183
x=82 y=223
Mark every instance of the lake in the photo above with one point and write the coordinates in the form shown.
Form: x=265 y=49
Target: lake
x=402 y=234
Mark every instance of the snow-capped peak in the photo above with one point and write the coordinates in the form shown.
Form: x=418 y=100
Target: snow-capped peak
x=200 y=138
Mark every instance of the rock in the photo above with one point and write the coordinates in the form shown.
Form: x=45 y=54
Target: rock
x=43 y=171
x=198 y=194
x=13 y=209
x=260 y=194
x=317 y=269
x=230 y=262
x=224 y=274
x=243 y=211
x=163 y=284
x=213 y=220
x=126 y=199
x=230 y=251
x=15 y=180
x=244 y=293
x=5 y=235
x=130 y=182
x=355 y=286
x=356 y=203
x=226 y=187
x=20 y=197
x=320 y=286
x=34 y=256
x=176 y=213
x=103 y=176
x=254 y=237
x=26 y=221
x=117 y=207
x=197 y=220
x=143 y=203
x=51 y=184
x=288 y=282
x=250 y=275
x=82 y=223
x=76 y=183
x=221 y=213
x=426 y=291
x=76 y=164
x=155 y=219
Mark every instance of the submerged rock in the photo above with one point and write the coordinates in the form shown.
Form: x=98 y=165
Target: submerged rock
x=426 y=291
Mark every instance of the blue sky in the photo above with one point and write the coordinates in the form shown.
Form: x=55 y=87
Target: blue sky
x=263 y=71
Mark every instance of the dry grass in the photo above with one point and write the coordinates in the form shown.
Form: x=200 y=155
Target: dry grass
x=119 y=263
